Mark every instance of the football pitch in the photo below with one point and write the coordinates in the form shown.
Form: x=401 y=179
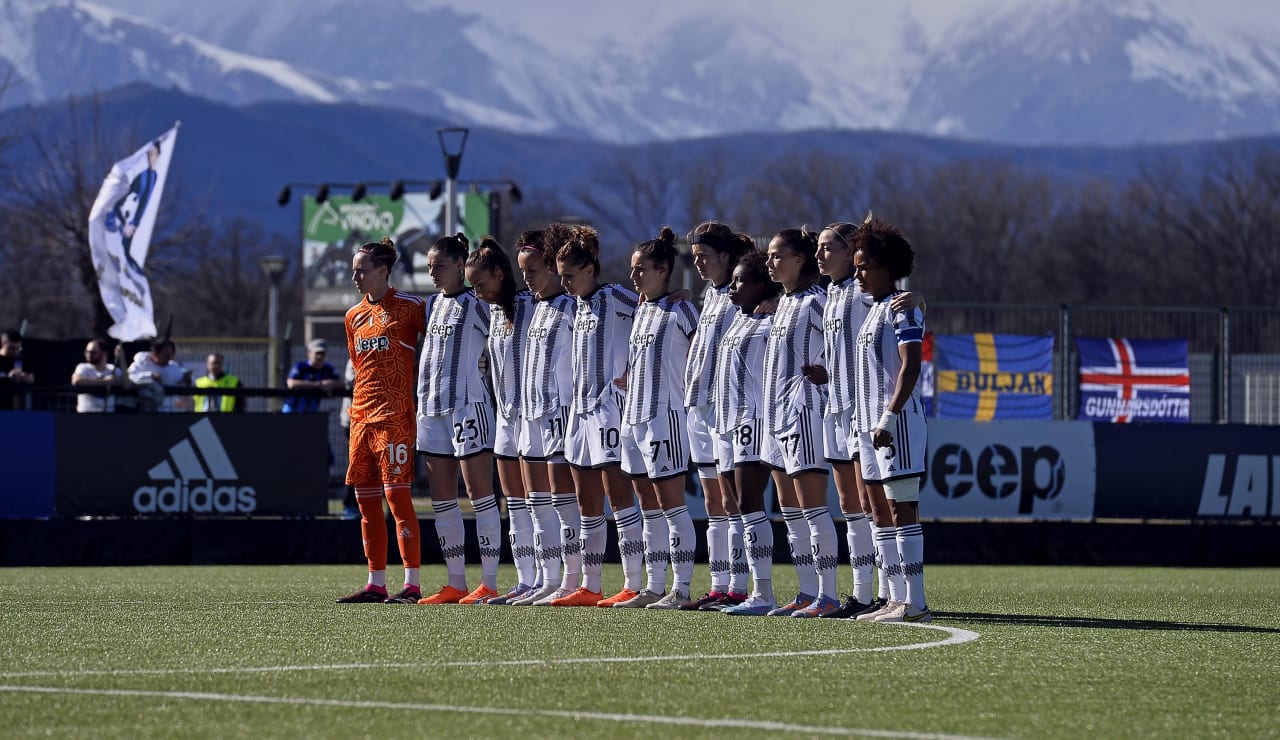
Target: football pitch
x=1013 y=652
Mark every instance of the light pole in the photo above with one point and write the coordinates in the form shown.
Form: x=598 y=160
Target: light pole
x=453 y=140
x=273 y=266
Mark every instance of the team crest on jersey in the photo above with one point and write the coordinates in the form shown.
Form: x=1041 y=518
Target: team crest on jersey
x=383 y=318
x=455 y=312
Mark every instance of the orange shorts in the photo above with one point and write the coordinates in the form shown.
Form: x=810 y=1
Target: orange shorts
x=382 y=452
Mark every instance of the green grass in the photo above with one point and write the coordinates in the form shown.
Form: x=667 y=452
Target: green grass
x=1062 y=652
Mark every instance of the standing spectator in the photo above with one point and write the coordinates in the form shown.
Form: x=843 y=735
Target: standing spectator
x=154 y=370
x=216 y=376
x=11 y=369
x=96 y=371
x=314 y=372
x=349 y=508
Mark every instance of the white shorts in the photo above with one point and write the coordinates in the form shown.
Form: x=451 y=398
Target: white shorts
x=740 y=445
x=839 y=440
x=594 y=438
x=466 y=431
x=506 y=437
x=902 y=459
x=798 y=447
x=701 y=421
x=542 y=438
x=656 y=448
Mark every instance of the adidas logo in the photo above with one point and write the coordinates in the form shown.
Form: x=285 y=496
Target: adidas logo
x=405 y=534
x=193 y=472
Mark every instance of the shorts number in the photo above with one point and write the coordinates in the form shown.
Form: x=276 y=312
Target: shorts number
x=465 y=433
x=609 y=438
x=744 y=435
x=557 y=427
x=656 y=447
x=398 y=454
x=791 y=442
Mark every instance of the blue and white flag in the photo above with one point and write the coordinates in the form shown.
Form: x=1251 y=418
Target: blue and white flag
x=120 y=226
x=1128 y=380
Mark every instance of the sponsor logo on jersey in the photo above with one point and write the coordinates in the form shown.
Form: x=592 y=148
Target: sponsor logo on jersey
x=201 y=479
x=440 y=330
x=371 y=344
x=587 y=324
x=643 y=340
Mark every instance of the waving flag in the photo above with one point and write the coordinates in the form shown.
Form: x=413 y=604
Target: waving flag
x=993 y=376
x=120 y=225
x=1127 y=380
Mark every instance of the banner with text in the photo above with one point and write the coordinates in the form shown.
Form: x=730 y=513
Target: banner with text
x=1014 y=469
x=993 y=376
x=191 y=464
x=1128 y=380
x=332 y=231
x=120 y=226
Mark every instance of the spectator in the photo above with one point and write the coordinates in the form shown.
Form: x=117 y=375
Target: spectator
x=96 y=371
x=314 y=372
x=11 y=369
x=216 y=376
x=350 y=509
x=154 y=370
x=12 y=373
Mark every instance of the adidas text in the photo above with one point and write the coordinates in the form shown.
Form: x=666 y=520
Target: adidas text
x=202 y=498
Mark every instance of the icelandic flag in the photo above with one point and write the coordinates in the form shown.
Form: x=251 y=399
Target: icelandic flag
x=120 y=226
x=1127 y=380
x=993 y=376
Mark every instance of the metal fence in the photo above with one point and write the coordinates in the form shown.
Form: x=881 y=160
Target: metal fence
x=1234 y=354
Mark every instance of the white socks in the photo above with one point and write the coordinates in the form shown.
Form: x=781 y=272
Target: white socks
x=862 y=554
x=657 y=551
x=452 y=543
x=630 y=546
x=521 y=537
x=801 y=549
x=683 y=541
x=489 y=535
x=594 y=536
x=822 y=538
x=566 y=505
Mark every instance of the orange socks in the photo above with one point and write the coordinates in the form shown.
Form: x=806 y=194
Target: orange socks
x=400 y=497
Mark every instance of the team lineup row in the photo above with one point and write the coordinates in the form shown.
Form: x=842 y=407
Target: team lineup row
x=597 y=392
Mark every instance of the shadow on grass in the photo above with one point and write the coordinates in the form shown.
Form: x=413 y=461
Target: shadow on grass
x=1041 y=620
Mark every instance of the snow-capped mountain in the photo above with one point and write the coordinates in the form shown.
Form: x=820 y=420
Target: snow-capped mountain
x=1021 y=71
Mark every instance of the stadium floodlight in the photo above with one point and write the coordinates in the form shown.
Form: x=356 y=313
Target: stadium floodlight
x=453 y=141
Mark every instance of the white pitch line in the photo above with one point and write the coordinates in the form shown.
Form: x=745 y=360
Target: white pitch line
x=956 y=636
x=655 y=719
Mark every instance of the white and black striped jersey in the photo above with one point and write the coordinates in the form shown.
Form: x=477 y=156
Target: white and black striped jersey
x=601 y=330
x=717 y=314
x=548 y=360
x=507 y=341
x=795 y=340
x=842 y=318
x=658 y=353
x=737 y=386
x=878 y=363
x=454 y=340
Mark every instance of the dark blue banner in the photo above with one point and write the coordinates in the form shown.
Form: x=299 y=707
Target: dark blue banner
x=27 y=459
x=1157 y=471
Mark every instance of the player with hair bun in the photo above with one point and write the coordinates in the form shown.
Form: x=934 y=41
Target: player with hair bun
x=490 y=273
x=716 y=250
x=455 y=422
x=383 y=331
x=793 y=409
x=545 y=398
x=602 y=326
x=654 y=436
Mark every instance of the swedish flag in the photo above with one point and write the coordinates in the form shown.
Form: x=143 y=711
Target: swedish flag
x=994 y=376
